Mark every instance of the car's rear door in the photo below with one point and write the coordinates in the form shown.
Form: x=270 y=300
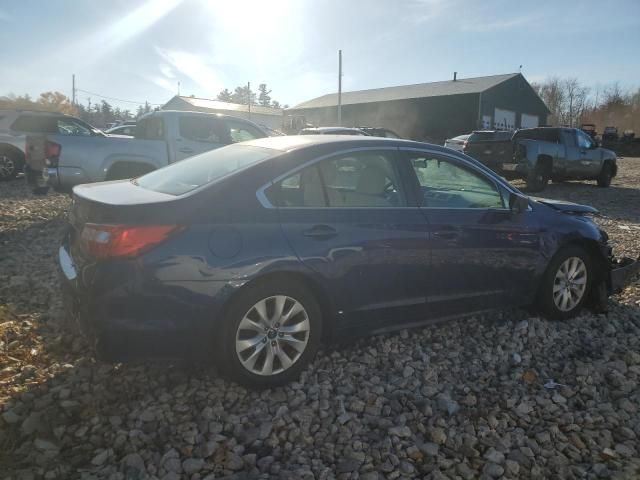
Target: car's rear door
x=349 y=219
x=483 y=255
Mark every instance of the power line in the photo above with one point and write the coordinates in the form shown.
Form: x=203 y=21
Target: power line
x=116 y=99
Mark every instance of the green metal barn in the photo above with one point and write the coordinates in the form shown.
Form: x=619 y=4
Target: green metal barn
x=433 y=111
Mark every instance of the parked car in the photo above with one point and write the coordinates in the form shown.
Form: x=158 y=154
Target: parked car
x=457 y=143
x=128 y=130
x=162 y=137
x=331 y=131
x=15 y=125
x=610 y=134
x=379 y=132
x=490 y=147
x=254 y=253
x=589 y=129
x=540 y=154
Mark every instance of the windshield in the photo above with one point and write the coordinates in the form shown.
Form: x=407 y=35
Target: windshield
x=194 y=172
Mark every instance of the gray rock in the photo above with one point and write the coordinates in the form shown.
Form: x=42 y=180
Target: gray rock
x=133 y=462
x=192 y=465
x=437 y=435
x=402 y=432
x=233 y=461
x=493 y=470
x=100 y=458
x=494 y=456
x=348 y=465
x=447 y=404
x=11 y=417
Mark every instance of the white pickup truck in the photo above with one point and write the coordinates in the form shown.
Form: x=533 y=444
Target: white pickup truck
x=161 y=138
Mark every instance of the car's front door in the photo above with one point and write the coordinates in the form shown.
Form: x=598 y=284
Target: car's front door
x=483 y=254
x=349 y=219
x=589 y=155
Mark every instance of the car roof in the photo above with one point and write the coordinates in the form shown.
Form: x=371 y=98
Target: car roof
x=289 y=143
x=332 y=129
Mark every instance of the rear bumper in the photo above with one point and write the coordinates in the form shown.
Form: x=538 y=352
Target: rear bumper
x=126 y=315
x=622 y=272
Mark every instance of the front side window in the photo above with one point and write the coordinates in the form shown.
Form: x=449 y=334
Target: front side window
x=68 y=126
x=355 y=180
x=203 y=129
x=584 y=141
x=445 y=184
x=242 y=131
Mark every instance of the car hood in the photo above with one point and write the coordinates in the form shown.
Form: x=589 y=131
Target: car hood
x=566 y=207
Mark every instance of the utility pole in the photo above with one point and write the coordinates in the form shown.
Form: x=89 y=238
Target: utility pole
x=178 y=87
x=249 y=98
x=339 y=88
x=73 y=89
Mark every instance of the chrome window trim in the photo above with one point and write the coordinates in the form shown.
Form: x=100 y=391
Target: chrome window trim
x=264 y=201
x=485 y=171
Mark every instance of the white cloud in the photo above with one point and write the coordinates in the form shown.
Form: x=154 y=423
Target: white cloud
x=503 y=24
x=194 y=67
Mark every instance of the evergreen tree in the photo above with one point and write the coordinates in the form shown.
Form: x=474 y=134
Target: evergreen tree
x=225 y=96
x=264 y=99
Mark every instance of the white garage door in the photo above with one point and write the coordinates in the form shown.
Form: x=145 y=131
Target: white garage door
x=504 y=119
x=528 y=121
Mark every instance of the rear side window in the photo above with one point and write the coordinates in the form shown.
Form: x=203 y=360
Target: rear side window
x=186 y=175
x=362 y=179
x=35 y=124
x=203 y=129
x=151 y=128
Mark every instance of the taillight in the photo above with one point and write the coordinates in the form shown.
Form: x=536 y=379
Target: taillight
x=109 y=241
x=52 y=153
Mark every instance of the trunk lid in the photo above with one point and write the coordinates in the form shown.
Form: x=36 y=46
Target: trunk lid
x=120 y=203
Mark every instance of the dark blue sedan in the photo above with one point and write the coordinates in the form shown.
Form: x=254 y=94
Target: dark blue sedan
x=255 y=253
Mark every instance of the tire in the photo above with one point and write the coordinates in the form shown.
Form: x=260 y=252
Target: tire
x=606 y=174
x=247 y=363
x=550 y=294
x=537 y=180
x=10 y=165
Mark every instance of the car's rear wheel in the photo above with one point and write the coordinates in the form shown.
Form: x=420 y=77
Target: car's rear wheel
x=604 y=179
x=566 y=283
x=538 y=179
x=9 y=166
x=271 y=333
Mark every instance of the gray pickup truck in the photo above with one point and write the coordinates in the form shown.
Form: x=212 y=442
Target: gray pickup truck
x=161 y=138
x=538 y=155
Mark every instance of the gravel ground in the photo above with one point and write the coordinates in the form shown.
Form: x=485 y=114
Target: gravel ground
x=504 y=395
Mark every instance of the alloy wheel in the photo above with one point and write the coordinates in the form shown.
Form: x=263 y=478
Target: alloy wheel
x=272 y=335
x=570 y=284
x=7 y=167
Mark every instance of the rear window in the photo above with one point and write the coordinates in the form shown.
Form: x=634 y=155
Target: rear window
x=194 y=172
x=501 y=136
x=543 y=134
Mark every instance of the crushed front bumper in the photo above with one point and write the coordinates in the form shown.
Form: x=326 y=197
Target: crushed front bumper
x=622 y=270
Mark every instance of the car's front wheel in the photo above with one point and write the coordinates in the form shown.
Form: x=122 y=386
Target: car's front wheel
x=271 y=333
x=565 y=284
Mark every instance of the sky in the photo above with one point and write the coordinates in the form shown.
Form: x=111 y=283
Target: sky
x=140 y=50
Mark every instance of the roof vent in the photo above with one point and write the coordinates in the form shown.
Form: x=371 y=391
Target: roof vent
x=455 y=76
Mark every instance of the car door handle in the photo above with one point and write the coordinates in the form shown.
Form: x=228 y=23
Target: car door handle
x=186 y=150
x=320 y=232
x=448 y=234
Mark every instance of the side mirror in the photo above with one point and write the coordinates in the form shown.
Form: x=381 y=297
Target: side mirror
x=518 y=203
